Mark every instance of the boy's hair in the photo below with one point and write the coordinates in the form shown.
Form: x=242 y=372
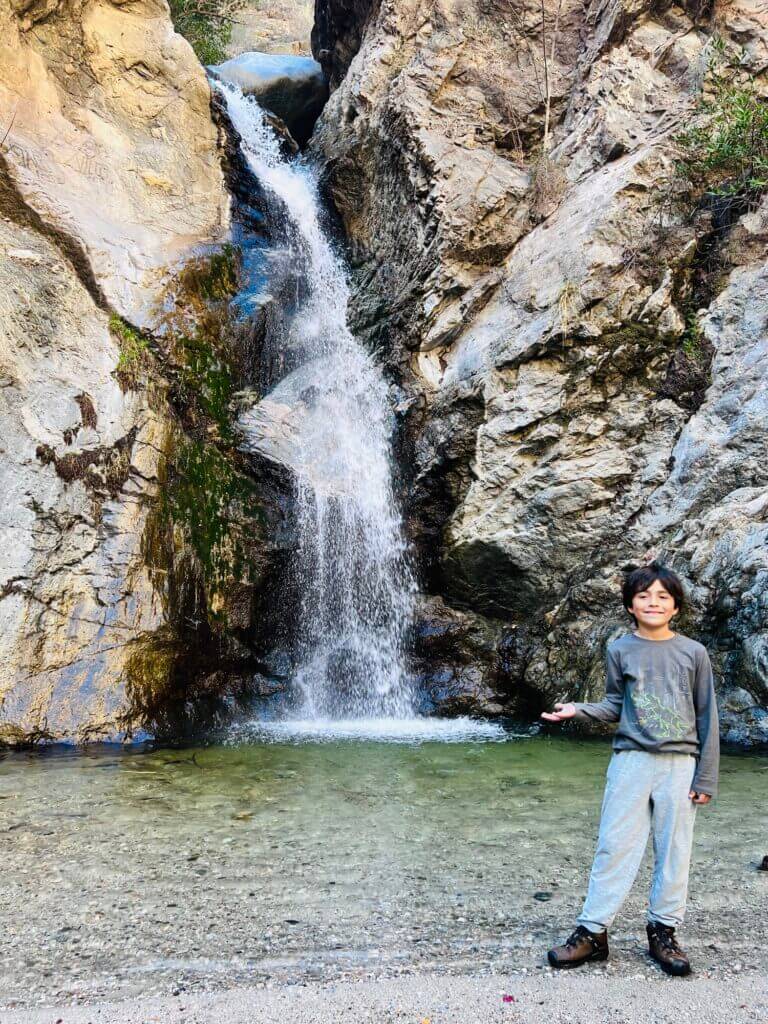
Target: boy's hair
x=640 y=579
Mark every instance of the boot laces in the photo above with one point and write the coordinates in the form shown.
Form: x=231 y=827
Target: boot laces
x=578 y=934
x=668 y=940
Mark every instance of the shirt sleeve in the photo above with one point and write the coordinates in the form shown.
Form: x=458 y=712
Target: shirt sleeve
x=705 y=780
x=609 y=709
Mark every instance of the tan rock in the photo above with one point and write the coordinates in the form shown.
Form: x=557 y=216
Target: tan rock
x=119 y=153
x=109 y=176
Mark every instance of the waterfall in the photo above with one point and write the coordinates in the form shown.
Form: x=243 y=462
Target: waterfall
x=328 y=419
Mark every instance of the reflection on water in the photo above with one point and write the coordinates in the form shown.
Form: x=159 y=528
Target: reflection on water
x=143 y=872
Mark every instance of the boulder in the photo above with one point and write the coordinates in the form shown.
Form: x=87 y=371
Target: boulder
x=110 y=148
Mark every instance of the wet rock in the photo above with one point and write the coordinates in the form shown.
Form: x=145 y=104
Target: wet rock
x=337 y=33
x=457 y=661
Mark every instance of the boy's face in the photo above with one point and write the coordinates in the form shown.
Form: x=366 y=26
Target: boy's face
x=653 y=607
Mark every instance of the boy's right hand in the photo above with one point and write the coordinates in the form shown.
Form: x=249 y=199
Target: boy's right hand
x=561 y=713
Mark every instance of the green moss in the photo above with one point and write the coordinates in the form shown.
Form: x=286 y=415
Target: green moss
x=196 y=330
x=210 y=506
x=221 y=280
x=201 y=533
x=205 y=380
x=135 y=356
x=214 y=277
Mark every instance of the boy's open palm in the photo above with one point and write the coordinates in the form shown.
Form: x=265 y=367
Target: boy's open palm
x=561 y=713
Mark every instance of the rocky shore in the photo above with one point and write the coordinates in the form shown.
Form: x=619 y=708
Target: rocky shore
x=219 y=868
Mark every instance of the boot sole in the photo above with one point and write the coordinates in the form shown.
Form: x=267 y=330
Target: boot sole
x=565 y=965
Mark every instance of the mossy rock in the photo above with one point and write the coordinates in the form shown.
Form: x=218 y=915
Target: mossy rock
x=207 y=542
x=205 y=380
x=209 y=511
x=136 y=358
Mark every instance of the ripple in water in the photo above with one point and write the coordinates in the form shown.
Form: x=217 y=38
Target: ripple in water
x=384 y=730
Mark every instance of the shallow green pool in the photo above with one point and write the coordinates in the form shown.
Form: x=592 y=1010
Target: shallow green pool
x=145 y=872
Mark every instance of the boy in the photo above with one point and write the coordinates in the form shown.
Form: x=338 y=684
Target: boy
x=664 y=763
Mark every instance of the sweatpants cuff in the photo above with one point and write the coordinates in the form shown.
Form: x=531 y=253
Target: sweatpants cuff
x=592 y=926
x=670 y=922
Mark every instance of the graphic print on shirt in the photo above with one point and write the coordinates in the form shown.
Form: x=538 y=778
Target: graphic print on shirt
x=660 y=705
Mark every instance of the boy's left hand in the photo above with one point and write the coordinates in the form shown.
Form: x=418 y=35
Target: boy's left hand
x=699 y=798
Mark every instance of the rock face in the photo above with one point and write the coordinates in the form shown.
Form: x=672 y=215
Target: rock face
x=110 y=176
x=579 y=341
x=110 y=148
x=337 y=33
x=76 y=460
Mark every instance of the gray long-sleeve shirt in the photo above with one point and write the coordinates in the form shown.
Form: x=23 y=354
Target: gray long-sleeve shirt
x=662 y=695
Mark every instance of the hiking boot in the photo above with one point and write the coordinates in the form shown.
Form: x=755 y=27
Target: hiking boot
x=579 y=948
x=663 y=947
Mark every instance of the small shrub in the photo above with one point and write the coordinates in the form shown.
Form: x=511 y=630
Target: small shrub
x=725 y=151
x=548 y=186
x=689 y=370
x=206 y=25
x=692 y=339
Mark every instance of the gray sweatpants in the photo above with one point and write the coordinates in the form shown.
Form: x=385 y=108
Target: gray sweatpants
x=643 y=792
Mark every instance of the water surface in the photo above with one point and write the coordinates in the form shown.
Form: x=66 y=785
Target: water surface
x=278 y=861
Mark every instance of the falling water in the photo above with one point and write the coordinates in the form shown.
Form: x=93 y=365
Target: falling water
x=328 y=419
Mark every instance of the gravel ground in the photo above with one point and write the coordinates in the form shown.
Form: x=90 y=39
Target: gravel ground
x=370 y=867
x=436 y=999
